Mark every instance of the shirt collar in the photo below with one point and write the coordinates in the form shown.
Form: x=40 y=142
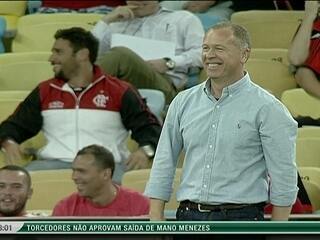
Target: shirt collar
x=231 y=89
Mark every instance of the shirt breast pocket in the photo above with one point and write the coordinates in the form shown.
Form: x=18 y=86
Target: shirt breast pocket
x=245 y=134
x=166 y=32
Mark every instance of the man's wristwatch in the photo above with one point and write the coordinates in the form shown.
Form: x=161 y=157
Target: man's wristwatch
x=148 y=150
x=170 y=63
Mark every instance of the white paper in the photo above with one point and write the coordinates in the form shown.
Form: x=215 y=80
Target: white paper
x=146 y=48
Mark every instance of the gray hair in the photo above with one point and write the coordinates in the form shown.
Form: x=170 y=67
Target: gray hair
x=240 y=33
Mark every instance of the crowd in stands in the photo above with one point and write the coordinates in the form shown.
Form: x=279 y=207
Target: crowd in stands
x=92 y=105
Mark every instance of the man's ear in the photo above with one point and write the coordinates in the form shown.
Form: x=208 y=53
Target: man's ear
x=245 y=55
x=83 y=54
x=107 y=173
x=30 y=192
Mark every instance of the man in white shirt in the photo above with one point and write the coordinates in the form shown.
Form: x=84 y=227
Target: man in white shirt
x=148 y=20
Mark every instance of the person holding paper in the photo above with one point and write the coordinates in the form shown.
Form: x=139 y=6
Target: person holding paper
x=146 y=19
x=236 y=137
x=97 y=195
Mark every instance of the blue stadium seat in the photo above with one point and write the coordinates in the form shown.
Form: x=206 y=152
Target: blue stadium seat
x=33 y=6
x=155 y=100
x=3 y=27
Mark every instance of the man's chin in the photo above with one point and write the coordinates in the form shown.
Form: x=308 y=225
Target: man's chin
x=61 y=76
x=10 y=212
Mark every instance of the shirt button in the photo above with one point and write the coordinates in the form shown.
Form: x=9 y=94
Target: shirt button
x=208 y=166
x=205 y=186
x=210 y=146
x=213 y=125
x=218 y=106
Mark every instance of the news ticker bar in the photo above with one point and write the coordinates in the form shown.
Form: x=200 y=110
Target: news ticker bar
x=145 y=227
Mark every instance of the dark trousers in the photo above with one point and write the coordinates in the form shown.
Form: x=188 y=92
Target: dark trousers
x=249 y=213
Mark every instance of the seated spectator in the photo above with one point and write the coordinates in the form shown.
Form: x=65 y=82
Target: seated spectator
x=86 y=6
x=148 y=20
x=214 y=10
x=97 y=195
x=304 y=54
x=15 y=190
x=81 y=106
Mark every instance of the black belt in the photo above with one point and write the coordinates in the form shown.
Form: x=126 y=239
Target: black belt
x=225 y=206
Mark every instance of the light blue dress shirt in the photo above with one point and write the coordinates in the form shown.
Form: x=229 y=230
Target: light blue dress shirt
x=233 y=147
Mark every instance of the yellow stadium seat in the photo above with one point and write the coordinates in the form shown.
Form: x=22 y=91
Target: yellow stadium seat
x=23 y=71
x=24 y=75
x=12 y=11
x=137 y=180
x=274 y=54
x=309 y=132
x=270 y=75
x=7 y=107
x=35 y=32
x=280 y=15
x=12 y=95
x=50 y=186
x=300 y=103
x=9 y=58
x=308 y=152
x=269 y=29
x=313 y=191
x=310 y=174
x=39 y=18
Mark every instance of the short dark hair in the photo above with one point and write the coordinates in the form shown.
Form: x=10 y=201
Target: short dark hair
x=80 y=38
x=18 y=169
x=102 y=156
x=239 y=32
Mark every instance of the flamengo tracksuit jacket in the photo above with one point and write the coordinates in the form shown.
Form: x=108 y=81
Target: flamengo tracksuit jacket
x=101 y=114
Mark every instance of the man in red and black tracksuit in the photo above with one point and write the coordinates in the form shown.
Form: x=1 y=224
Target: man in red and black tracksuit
x=81 y=106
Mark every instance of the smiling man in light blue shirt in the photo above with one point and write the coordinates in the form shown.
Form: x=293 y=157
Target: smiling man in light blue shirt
x=239 y=142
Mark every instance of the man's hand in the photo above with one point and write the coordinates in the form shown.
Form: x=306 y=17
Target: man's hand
x=198 y=6
x=156 y=210
x=280 y=213
x=137 y=160
x=11 y=151
x=158 y=65
x=121 y=13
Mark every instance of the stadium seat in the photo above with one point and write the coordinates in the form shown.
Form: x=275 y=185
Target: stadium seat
x=274 y=54
x=300 y=103
x=50 y=186
x=35 y=32
x=308 y=152
x=269 y=29
x=309 y=132
x=310 y=174
x=8 y=58
x=137 y=180
x=13 y=95
x=11 y=11
x=28 y=39
x=279 y=15
x=313 y=191
x=270 y=75
x=24 y=75
x=155 y=100
x=33 y=5
x=7 y=107
x=36 y=19
x=3 y=27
